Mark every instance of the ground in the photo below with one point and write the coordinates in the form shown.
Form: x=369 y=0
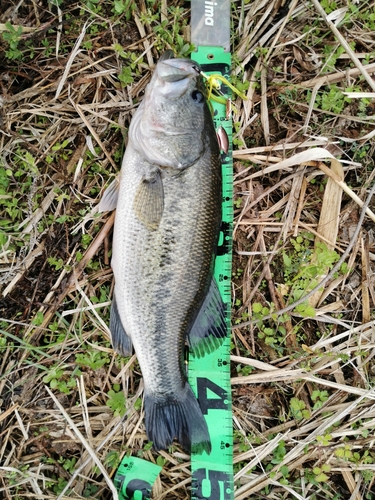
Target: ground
x=72 y=75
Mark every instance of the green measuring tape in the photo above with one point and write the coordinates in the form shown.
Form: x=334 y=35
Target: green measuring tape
x=134 y=478
x=209 y=376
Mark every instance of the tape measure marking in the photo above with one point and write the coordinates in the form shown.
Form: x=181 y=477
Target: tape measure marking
x=209 y=376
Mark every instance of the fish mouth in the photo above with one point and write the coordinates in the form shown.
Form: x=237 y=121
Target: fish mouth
x=174 y=69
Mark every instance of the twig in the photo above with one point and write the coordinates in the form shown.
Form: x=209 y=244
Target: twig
x=336 y=77
x=330 y=173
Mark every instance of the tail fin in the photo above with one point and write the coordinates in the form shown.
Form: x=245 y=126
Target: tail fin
x=176 y=416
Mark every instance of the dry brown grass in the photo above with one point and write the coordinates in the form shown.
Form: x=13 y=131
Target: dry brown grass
x=54 y=314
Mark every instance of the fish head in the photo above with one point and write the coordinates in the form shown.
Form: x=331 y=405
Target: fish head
x=172 y=128
x=175 y=77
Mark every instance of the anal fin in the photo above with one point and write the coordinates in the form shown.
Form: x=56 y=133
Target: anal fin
x=121 y=341
x=210 y=327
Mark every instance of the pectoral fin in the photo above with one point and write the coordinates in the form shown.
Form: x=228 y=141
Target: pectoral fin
x=121 y=341
x=110 y=196
x=210 y=327
x=149 y=201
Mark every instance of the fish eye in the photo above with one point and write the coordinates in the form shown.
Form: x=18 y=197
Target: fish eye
x=197 y=96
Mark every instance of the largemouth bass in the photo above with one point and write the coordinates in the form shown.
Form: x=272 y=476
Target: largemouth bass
x=165 y=235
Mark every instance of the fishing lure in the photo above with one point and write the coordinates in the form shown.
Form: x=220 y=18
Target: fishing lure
x=214 y=82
